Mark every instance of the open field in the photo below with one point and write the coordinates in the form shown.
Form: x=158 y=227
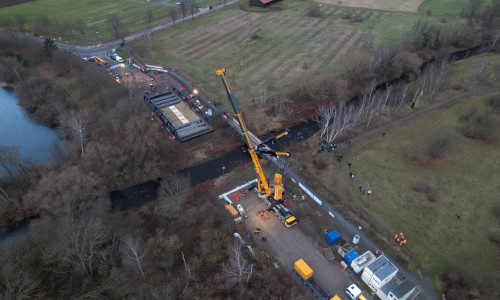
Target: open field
x=254 y=46
x=93 y=13
x=395 y=5
x=451 y=230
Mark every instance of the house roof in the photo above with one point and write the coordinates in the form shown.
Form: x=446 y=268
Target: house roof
x=402 y=289
x=388 y=287
x=382 y=267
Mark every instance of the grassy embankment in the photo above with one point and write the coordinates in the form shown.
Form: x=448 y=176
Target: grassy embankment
x=463 y=182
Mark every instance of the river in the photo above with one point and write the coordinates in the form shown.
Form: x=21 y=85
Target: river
x=16 y=129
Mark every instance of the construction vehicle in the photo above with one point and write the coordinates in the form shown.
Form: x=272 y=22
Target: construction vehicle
x=272 y=193
x=305 y=273
x=230 y=209
x=100 y=61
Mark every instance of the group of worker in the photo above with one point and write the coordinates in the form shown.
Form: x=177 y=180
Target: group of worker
x=400 y=239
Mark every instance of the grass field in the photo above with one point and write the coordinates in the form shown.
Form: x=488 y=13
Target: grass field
x=255 y=45
x=465 y=179
x=395 y=5
x=92 y=12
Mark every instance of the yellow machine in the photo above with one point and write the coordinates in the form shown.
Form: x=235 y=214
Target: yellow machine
x=272 y=192
x=100 y=61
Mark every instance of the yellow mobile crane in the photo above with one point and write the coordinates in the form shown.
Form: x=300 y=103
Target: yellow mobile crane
x=271 y=193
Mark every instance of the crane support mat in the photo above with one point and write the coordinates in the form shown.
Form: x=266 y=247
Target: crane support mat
x=178 y=112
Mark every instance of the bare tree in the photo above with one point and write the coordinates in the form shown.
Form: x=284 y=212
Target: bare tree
x=81 y=27
x=236 y=271
x=7 y=23
x=184 y=6
x=148 y=37
x=79 y=245
x=116 y=26
x=173 y=13
x=20 y=21
x=149 y=17
x=78 y=126
x=68 y=27
x=188 y=273
x=193 y=8
x=175 y=186
x=42 y=23
x=135 y=254
x=265 y=88
x=11 y=163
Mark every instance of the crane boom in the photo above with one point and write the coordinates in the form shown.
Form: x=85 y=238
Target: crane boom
x=271 y=195
x=264 y=189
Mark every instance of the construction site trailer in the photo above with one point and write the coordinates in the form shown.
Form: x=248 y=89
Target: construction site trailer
x=303 y=269
x=361 y=262
x=332 y=237
x=378 y=273
x=351 y=256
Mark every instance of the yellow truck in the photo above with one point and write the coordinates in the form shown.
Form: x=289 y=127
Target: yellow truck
x=100 y=61
x=305 y=273
x=231 y=210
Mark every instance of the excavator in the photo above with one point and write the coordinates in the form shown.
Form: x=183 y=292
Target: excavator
x=271 y=192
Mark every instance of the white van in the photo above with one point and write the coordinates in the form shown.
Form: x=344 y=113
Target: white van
x=353 y=292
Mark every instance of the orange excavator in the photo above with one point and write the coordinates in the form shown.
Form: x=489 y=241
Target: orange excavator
x=271 y=192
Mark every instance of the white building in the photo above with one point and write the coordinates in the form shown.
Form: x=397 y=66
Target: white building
x=378 y=273
x=361 y=262
x=402 y=291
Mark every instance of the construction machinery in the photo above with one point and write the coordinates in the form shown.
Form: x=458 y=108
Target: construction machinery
x=271 y=192
x=305 y=273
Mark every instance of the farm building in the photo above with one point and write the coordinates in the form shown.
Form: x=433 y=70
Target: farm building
x=262 y=3
x=361 y=262
x=378 y=273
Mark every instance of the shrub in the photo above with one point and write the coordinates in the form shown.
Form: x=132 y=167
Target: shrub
x=440 y=142
x=477 y=125
x=428 y=189
x=494 y=104
x=352 y=15
x=319 y=165
x=494 y=235
x=314 y=11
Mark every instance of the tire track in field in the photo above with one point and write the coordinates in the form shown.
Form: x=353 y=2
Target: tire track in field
x=333 y=51
x=216 y=47
x=207 y=32
x=211 y=41
x=299 y=40
x=349 y=44
x=272 y=50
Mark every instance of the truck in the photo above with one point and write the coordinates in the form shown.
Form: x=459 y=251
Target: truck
x=100 y=61
x=230 y=209
x=353 y=292
x=305 y=273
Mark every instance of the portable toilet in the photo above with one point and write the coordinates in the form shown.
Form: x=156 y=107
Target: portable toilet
x=349 y=257
x=332 y=237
